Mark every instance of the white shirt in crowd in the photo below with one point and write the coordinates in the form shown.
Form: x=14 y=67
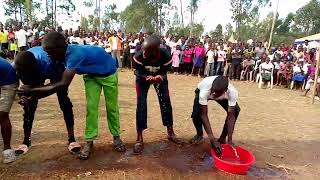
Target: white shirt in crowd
x=296 y=69
x=276 y=65
x=267 y=66
x=305 y=68
x=21 y=36
x=205 y=90
x=132 y=50
x=114 y=43
x=210 y=55
x=30 y=36
x=221 y=56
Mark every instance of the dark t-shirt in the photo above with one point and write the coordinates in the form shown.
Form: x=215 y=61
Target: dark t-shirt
x=146 y=67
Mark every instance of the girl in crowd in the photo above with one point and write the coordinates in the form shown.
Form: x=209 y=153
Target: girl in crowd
x=199 y=55
x=176 y=59
x=187 y=55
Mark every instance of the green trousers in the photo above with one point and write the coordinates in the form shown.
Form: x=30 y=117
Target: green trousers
x=93 y=87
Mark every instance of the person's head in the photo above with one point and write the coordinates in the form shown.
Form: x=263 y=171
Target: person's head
x=151 y=47
x=27 y=68
x=177 y=47
x=187 y=47
x=306 y=42
x=55 y=45
x=267 y=60
x=264 y=56
x=219 y=86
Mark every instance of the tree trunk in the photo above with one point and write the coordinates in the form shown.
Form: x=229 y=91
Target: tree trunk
x=15 y=13
x=52 y=13
x=181 y=11
x=20 y=11
x=55 y=14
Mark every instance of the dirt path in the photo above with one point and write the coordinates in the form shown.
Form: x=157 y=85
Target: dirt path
x=279 y=126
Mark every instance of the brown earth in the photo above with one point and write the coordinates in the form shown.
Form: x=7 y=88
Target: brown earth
x=279 y=126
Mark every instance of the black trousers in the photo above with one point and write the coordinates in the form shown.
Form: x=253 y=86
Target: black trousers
x=142 y=88
x=196 y=114
x=31 y=107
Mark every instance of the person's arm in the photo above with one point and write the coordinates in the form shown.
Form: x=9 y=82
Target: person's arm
x=207 y=127
x=230 y=123
x=47 y=90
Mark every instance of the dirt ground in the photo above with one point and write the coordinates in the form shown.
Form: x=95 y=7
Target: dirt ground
x=279 y=126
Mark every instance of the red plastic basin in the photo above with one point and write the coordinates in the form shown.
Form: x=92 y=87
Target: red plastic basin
x=230 y=163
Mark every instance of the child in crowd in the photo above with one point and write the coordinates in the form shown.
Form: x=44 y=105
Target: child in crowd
x=221 y=61
x=209 y=70
x=298 y=75
x=187 y=57
x=8 y=85
x=100 y=72
x=198 y=60
x=176 y=59
x=311 y=75
x=151 y=65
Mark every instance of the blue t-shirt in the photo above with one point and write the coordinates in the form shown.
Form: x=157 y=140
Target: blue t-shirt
x=91 y=60
x=45 y=64
x=7 y=73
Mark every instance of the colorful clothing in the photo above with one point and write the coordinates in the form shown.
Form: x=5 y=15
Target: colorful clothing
x=187 y=55
x=7 y=73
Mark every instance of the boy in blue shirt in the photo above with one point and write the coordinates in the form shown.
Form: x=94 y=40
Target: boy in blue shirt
x=33 y=68
x=8 y=85
x=99 y=70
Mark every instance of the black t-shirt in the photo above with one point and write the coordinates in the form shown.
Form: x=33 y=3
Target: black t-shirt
x=158 y=66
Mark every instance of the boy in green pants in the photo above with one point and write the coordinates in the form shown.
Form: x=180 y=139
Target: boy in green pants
x=99 y=71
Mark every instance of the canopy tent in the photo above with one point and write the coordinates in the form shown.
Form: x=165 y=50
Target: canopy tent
x=315 y=37
x=231 y=39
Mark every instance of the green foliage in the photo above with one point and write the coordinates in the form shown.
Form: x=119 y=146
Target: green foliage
x=84 y=23
x=139 y=13
x=308 y=17
x=196 y=29
x=110 y=18
x=217 y=33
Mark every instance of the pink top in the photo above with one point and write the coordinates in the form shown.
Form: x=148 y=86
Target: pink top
x=187 y=54
x=199 y=51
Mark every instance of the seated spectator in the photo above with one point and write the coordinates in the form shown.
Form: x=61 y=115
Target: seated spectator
x=298 y=75
x=248 y=66
x=310 y=78
x=266 y=69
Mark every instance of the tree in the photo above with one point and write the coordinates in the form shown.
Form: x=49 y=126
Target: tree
x=217 y=33
x=110 y=18
x=308 y=17
x=198 y=29
x=229 y=29
x=139 y=13
x=84 y=23
x=181 y=13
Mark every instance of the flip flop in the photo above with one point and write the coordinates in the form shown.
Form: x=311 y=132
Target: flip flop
x=74 y=147
x=175 y=140
x=22 y=149
x=119 y=146
x=86 y=151
x=138 y=148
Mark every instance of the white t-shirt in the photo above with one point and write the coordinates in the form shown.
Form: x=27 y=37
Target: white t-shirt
x=21 y=36
x=267 y=66
x=205 y=90
x=30 y=35
x=114 y=43
x=305 y=68
x=221 y=56
x=296 y=69
x=132 y=50
x=210 y=55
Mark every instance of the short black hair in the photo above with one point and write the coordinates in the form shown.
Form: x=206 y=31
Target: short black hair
x=25 y=58
x=151 y=41
x=220 y=83
x=54 y=40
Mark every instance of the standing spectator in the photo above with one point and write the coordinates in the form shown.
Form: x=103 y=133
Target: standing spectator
x=12 y=44
x=187 y=60
x=236 y=63
x=21 y=37
x=176 y=59
x=209 y=70
x=199 y=55
x=30 y=37
x=3 y=39
x=115 y=43
x=221 y=61
x=132 y=46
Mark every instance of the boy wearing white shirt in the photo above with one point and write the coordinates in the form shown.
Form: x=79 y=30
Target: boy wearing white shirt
x=21 y=37
x=210 y=62
x=221 y=60
x=219 y=89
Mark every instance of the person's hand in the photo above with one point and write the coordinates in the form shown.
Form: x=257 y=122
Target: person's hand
x=158 y=79
x=216 y=147
x=24 y=90
x=150 y=79
x=234 y=148
x=24 y=100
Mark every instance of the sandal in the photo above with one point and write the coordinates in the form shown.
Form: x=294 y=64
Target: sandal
x=86 y=151
x=138 y=148
x=119 y=146
x=196 y=140
x=74 y=147
x=175 y=140
x=22 y=149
